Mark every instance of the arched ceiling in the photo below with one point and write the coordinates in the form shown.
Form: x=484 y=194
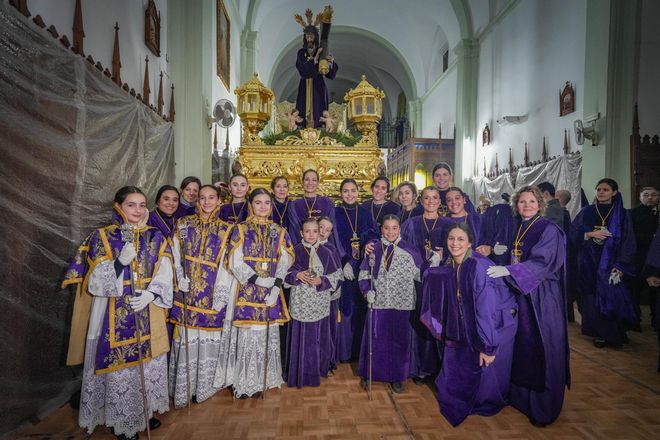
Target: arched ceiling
x=395 y=43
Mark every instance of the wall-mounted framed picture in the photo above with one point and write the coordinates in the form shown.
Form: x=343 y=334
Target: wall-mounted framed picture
x=152 y=28
x=223 y=45
x=485 y=136
x=567 y=100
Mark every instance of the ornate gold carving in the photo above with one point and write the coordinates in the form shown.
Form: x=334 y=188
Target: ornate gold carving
x=308 y=136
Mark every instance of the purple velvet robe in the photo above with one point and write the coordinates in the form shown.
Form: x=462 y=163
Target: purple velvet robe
x=261 y=243
x=234 y=212
x=184 y=209
x=426 y=356
x=540 y=370
x=380 y=211
x=202 y=248
x=497 y=225
x=309 y=70
x=607 y=310
x=439 y=235
x=352 y=306
x=332 y=321
x=392 y=329
x=304 y=208
x=117 y=347
x=406 y=215
x=280 y=214
x=164 y=223
x=309 y=344
x=479 y=319
x=443 y=210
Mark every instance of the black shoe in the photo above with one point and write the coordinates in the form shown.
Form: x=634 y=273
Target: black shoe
x=193 y=399
x=154 y=423
x=537 y=423
x=243 y=396
x=256 y=395
x=419 y=380
x=398 y=387
x=125 y=437
x=598 y=343
x=364 y=383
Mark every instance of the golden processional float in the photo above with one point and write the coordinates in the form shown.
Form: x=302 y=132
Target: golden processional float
x=309 y=148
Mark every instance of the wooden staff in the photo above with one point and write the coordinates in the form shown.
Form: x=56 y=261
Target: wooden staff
x=127 y=236
x=372 y=262
x=183 y=234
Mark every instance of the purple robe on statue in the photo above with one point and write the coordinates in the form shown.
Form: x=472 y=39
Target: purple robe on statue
x=234 y=212
x=540 y=370
x=607 y=310
x=311 y=89
x=352 y=307
x=473 y=315
x=380 y=211
x=426 y=355
x=496 y=227
x=304 y=208
x=393 y=281
x=308 y=341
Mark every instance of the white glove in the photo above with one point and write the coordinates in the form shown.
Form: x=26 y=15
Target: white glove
x=499 y=249
x=127 y=254
x=371 y=297
x=266 y=282
x=435 y=259
x=615 y=277
x=271 y=298
x=140 y=302
x=184 y=284
x=497 y=271
x=348 y=272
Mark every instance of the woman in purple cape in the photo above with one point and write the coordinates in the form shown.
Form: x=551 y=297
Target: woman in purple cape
x=239 y=208
x=540 y=370
x=199 y=249
x=163 y=217
x=104 y=327
x=310 y=205
x=474 y=316
x=405 y=194
x=603 y=236
x=314 y=275
x=189 y=192
x=259 y=256
x=387 y=279
x=353 y=229
x=418 y=231
x=378 y=205
x=279 y=187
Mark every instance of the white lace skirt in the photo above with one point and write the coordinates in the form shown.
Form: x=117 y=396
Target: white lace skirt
x=247 y=357
x=115 y=399
x=204 y=350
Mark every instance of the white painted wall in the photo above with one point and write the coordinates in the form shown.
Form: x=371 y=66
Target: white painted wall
x=523 y=64
x=99 y=17
x=439 y=106
x=648 y=96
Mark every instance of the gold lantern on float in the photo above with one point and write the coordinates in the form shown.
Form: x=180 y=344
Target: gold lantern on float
x=254 y=107
x=365 y=110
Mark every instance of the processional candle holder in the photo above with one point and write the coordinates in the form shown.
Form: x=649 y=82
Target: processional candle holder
x=365 y=110
x=254 y=106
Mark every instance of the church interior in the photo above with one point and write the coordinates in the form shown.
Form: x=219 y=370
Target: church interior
x=97 y=94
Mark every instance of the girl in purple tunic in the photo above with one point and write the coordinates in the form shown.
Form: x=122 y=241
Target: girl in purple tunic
x=387 y=279
x=260 y=254
x=378 y=205
x=474 y=316
x=540 y=370
x=199 y=249
x=314 y=275
x=353 y=229
x=310 y=205
x=405 y=194
x=103 y=327
x=189 y=192
x=603 y=236
x=330 y=353
x=418 y=231
x=239 y=209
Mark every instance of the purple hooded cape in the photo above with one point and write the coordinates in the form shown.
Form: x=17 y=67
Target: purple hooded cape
x=606 y=309
x=318 y=93
x=481 y=320
x=380 y=211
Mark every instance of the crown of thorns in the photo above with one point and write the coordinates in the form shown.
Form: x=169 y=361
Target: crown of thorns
x=324 y=16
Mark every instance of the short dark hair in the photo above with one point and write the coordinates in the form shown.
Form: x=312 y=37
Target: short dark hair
x=346 y=181
x=456 y=189
x=124 y=191
x=310 y=170
x=257 y=192
x=429 y=188
x=444 y=165
x=164 y=188
x=215 y=188
x=387 y=217
x=384 y=179
x=546 y=186
x=308 y=220
x=463 y=227
x=611 y=182
x=190 y=179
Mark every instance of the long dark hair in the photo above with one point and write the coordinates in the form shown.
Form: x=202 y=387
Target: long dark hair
x=463 y=227
x=190 y=179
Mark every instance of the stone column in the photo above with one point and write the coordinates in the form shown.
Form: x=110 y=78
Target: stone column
x=467 y=73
